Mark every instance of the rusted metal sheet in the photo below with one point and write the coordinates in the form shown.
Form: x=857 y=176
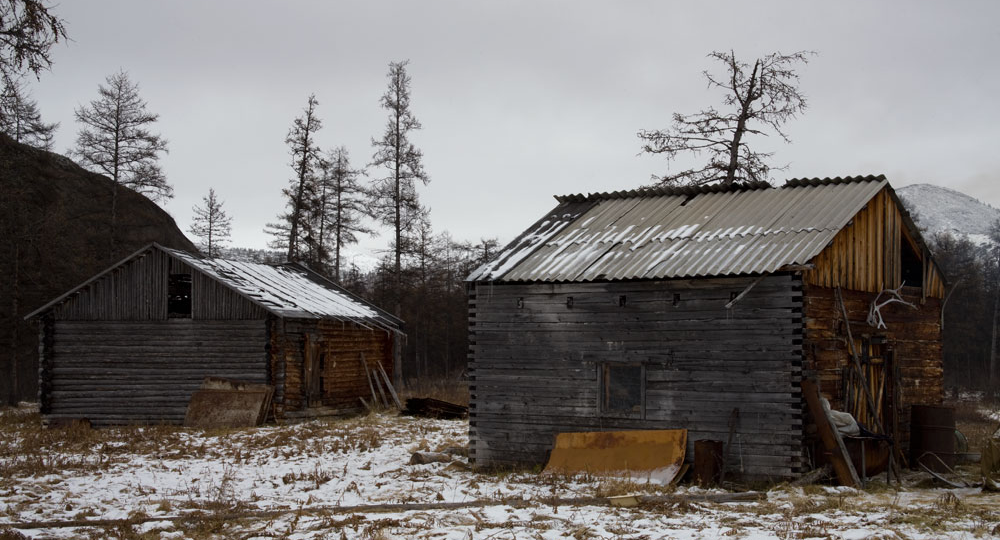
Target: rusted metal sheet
x=642 y=455
x=665 y=234
x=222 y=403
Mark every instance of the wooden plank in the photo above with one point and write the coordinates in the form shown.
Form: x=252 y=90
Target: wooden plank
x=388 y=385
x=839 y=456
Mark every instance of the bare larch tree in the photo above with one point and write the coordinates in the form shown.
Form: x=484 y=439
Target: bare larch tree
x=759 y=97
x=292 y=229
x=340 y=206
x=27 y=33
x=115 y=140
x=394 y=200
x=21 y=120
x=211 y=224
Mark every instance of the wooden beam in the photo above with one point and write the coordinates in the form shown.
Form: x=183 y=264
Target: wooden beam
x=740 y=296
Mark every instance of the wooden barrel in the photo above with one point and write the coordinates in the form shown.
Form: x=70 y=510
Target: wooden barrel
x=932 y=430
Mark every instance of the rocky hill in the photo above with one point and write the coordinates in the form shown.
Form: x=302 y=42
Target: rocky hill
x=939 y=209
x=55 y=232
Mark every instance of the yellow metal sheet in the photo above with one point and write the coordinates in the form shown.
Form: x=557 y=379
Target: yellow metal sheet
x=643 y=455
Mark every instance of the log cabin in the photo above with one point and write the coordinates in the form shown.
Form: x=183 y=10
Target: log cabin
x=704 y=308
x=131 y=344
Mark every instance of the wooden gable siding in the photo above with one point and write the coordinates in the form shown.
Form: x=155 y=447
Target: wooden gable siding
x=914 y=334
x=866 y=254
x=137 y=291
x=534 y=368
x=124 y=372
x=342 y=343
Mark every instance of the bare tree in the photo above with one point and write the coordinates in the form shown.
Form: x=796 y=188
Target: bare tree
x=21 y=120
x=211 y=224
x=340 y=206
x=115 y=141
x=27 y=33
x=394 y=196
x=292 y=229
x=759 y=97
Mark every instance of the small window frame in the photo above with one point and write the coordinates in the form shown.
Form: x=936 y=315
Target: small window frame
x=177 y=285
x=605 y=376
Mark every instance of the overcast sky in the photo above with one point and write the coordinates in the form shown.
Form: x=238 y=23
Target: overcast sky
x=524 y=100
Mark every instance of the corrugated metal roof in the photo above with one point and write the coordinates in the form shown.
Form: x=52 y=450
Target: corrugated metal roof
x=689 y=232
x=289 y=290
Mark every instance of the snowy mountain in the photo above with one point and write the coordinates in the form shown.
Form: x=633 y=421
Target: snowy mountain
x=939 y=209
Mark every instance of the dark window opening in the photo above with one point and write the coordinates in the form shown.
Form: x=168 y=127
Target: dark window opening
x=569 y=301
x=677 y=299
x=912 y=265
x=621 y=301
x=179 y=296
x=622 y=389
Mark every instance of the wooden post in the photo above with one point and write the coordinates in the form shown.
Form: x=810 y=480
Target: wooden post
x=364 y=367
x=397 y=361
x=864 y=381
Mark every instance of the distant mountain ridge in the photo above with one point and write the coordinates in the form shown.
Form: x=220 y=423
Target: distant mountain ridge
x=938 y=209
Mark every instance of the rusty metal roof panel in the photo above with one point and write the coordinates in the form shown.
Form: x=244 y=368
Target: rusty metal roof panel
x=663 y=233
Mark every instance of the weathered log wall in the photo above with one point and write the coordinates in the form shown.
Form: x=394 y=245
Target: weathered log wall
x=342 y=378
x=534 y=365
x=914 y=334
x=124 y=372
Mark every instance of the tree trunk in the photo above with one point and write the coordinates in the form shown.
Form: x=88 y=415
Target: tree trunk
x=15 y=384
x=993 y=346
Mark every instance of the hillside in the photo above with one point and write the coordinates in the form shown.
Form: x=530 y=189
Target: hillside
x=939 y=209
x=54 y=234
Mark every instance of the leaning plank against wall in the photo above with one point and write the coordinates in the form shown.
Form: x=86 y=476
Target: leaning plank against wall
x=535 y=359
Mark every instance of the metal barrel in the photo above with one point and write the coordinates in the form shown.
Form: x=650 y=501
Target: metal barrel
x=932 y=430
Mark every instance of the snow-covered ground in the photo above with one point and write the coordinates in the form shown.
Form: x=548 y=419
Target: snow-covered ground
x=304 y=472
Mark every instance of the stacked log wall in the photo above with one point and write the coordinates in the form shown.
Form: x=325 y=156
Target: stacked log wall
x=913 y=333
x=343 y=377
x=127 y=372
x=534 y=363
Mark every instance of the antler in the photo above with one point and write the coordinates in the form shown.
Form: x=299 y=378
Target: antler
x=874 y=311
